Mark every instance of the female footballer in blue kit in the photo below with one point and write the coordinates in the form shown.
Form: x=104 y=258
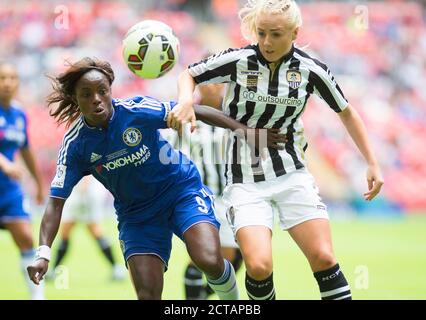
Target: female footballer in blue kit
x=13 y=137
x=157 y=190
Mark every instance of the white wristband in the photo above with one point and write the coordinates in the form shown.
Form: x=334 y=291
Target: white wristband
x=43 y=252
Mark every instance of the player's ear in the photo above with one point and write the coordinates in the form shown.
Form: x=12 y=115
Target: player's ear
x=295 y=33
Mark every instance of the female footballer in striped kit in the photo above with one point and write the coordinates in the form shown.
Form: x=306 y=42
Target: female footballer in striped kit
x=268 y=85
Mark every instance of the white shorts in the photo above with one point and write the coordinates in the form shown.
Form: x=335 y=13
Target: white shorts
x=226 y=235
x=87 y=202
x=294 y=195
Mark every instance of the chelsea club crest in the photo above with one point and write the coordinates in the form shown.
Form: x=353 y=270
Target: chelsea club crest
x=132 y=137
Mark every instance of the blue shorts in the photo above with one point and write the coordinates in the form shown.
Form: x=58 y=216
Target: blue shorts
x=13 y=210
x=155 y=236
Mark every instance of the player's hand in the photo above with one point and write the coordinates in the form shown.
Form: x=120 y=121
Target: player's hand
x=275 y=139
x=375 y=182
x=37 y=270
x=181 y=114
x=265 y=138
x=259 y=140
x=13 y=170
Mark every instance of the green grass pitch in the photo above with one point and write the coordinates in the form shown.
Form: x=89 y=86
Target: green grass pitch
x=382 y=259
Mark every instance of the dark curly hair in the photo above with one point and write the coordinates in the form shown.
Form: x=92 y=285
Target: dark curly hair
x=64 y=88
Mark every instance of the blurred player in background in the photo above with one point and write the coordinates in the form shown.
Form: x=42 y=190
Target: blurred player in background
x=87 y=205
x=157 y=190
x=269 y=84
x=206 y=152
x=14 y=137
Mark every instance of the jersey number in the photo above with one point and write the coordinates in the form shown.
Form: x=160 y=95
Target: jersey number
x=202 y=205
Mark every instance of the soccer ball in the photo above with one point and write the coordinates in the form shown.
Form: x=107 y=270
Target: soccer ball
x=149 y=24
x=150 y=49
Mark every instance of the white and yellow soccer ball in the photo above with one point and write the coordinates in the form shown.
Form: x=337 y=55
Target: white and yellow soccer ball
x=150 y=49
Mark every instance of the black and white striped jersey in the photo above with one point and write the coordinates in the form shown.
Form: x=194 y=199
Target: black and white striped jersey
x=206 y=153
x=261 y=97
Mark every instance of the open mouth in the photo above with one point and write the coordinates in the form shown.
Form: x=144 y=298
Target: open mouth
x=99 y=110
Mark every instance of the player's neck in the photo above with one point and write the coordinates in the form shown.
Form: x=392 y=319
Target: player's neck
x=99 y=125
x=5 y=103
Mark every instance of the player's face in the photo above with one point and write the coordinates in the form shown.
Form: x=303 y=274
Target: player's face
x=274 y=36
x=9 y=83
x=93 y=96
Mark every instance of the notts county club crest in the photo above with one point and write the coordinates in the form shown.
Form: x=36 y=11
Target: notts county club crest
x=132 y=137
x=294 y=78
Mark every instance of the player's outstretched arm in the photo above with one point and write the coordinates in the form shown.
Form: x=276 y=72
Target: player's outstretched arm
x=183 y=112
x=217 y=118
x=48 y=230
x=356 y=128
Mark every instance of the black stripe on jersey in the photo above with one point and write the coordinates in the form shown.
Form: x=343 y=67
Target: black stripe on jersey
x=320 y=85
x=273 y=91
x=205 y=178
x=198 y=151
x=233 y=109
x=227 y=69
x=219 y=178
x=290 y=132
x=340 y=91
x=237 y=173
x=324 y=91
x=293 y=93
x=228 y=144
x=209 y=174
x=310 y=86
x=217 y=151
x=277 y=162
x=249 y=112
x=266 y=115
x=289 y=111
x=252 y=65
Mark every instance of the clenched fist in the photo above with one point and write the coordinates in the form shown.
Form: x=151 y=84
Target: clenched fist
x=37 y=270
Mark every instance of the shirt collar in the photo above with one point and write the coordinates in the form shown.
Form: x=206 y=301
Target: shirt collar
x=113 y=113
x=88 y=125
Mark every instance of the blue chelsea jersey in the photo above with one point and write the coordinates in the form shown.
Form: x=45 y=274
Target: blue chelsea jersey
x=13 y=136
x=130 y=158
